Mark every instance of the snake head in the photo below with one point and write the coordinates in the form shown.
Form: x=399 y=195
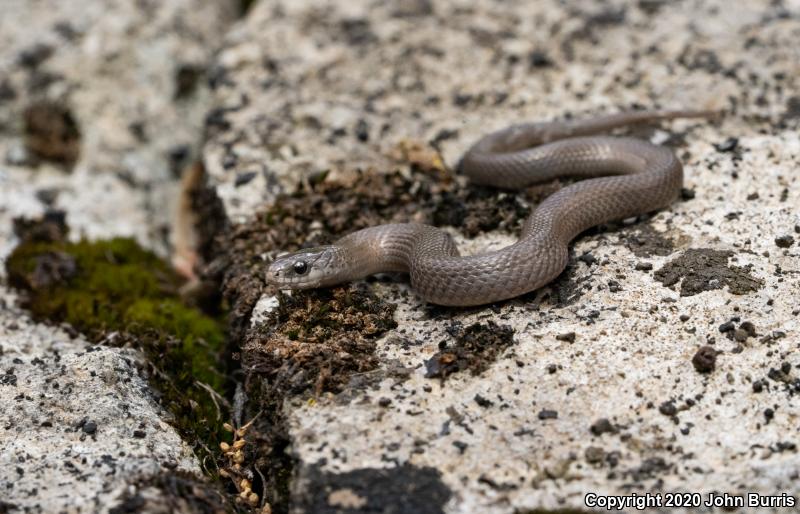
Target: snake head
x=304 y=269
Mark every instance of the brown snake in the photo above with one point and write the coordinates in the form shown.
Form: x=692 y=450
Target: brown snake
x=624 y=177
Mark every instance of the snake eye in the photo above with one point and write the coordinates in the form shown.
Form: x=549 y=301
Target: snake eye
x=300 y=267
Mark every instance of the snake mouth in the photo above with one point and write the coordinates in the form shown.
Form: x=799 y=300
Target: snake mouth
x=292 y=285
x=284 y=281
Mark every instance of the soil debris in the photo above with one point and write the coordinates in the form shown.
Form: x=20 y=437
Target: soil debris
x=317 y=340
x=645 y=241
x=51 y=132
x=474 y=349
x=705 y=359
x=704 y=269
x=784 y=241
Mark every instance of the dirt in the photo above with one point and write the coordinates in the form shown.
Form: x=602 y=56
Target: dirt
x=474 y=348
x=315 y=341
x=644 y=241
x=705 y=359
x=51 y=132
x=704 y=269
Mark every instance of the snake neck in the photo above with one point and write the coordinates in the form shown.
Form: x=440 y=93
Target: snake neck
x=389 y=248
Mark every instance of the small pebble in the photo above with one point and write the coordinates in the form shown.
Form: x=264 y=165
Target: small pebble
x=539 y=59
x=602 y=426
x=17 y=155
x=749 y=328
x=594 y=454
x=784 y=241
x=362 y=131
x=568 y=337
x=548 y=414
x=483 y=402
x=244 y=178
x=668 y=409
x=705 y=359
x=728 y=145
x=740 y=335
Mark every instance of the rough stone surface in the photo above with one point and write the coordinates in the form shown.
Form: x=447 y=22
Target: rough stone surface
x=304 y=88
x=101 y=105
x=131 y=76
x=79 y=423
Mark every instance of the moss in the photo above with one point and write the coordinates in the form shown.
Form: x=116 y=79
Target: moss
x=318 y=339
x=117 y=286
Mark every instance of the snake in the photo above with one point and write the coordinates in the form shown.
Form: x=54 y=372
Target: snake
x=617 y=178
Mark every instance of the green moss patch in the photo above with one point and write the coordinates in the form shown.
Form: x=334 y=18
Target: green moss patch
x=115 y=286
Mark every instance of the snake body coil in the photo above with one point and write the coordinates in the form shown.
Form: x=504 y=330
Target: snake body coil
x=624 y=177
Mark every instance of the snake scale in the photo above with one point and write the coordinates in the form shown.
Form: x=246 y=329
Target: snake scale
x=621 y=177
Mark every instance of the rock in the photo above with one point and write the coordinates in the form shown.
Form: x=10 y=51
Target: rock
x=705 y=360
x=94 y=103
x=594 y=454
x=602 y=426
x=547 y=414
x=88 y=116
x=668 y=409
x=567 y=336
x=291 y=87
x=75 y=407
x=728 y=145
